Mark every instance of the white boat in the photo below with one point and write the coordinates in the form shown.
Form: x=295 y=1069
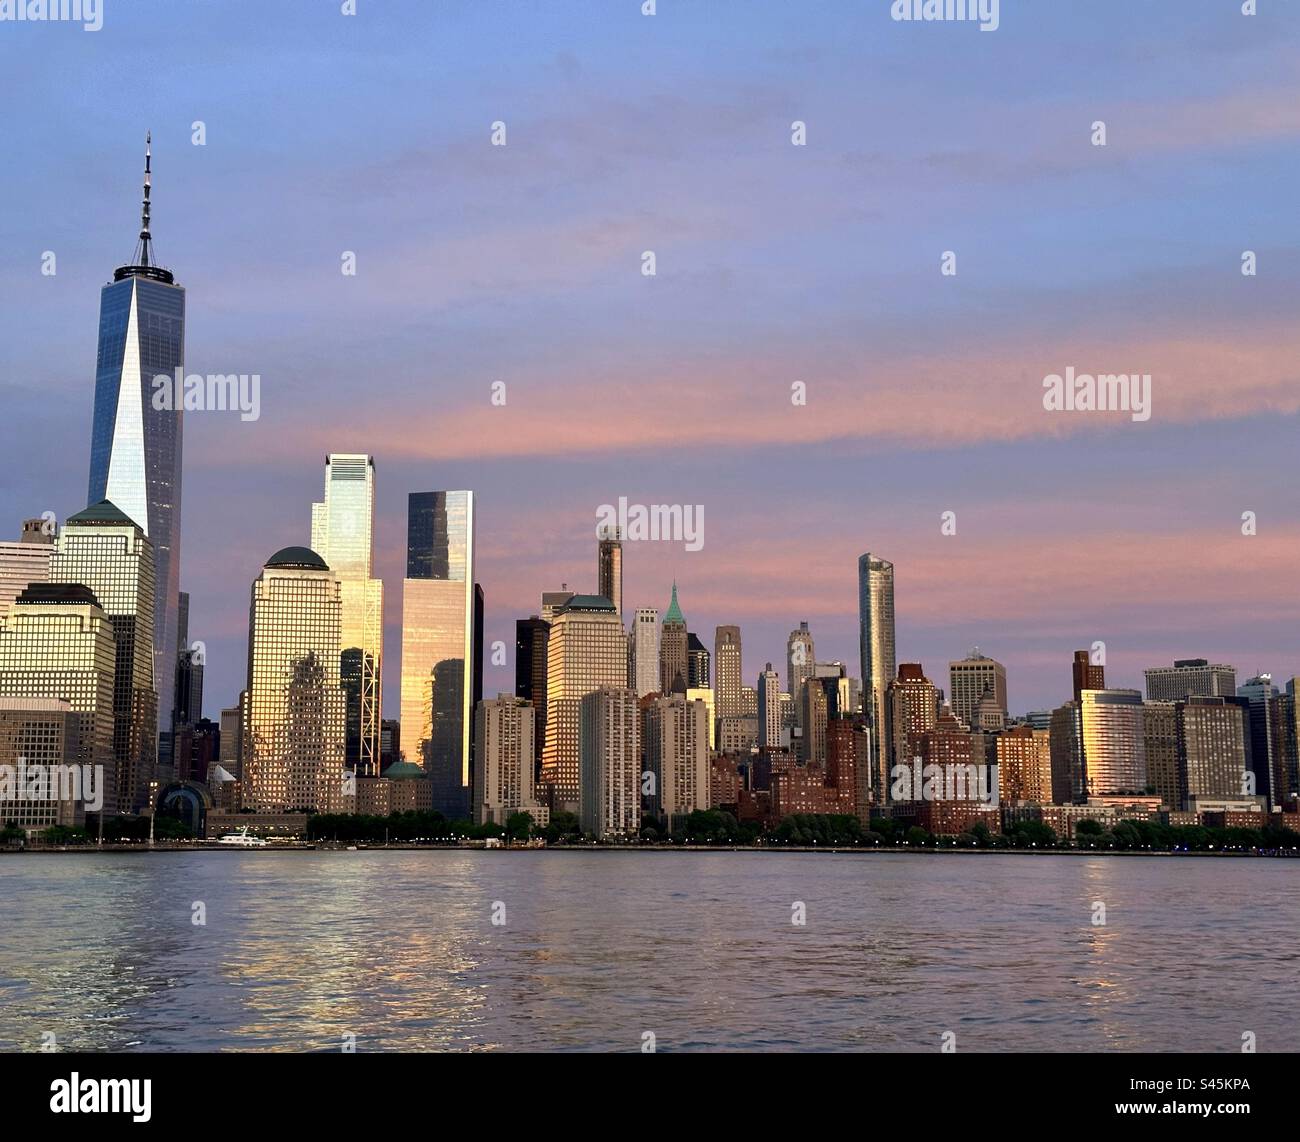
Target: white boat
x=243 y=839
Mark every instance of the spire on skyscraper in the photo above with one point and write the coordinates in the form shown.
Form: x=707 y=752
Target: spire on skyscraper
x=674 y=613
x=145 y=264
x=143 y=249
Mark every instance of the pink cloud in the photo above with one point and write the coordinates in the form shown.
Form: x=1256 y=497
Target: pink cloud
x=987 y=393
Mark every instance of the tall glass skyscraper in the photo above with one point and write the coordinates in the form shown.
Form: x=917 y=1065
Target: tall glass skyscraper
x=342 y=534
x=876 y=647
x=135 y=449
x=439 y=655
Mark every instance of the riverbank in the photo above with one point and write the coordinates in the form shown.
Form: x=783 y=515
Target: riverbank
x=843 y=850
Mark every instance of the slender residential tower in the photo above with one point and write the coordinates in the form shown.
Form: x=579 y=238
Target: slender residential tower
x=135 y=449
x=609 y=567
x=645 y=651
x=876 y=647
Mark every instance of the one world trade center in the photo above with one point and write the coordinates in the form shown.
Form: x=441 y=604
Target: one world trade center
x=135 y=448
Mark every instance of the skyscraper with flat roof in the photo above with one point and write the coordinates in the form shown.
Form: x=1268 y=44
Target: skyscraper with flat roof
x=675 y=748
x=968 y=679
x=1255 y=696
x=769 y=709
x=645 y=651
x=1189 y=676
x=1160 y=720
x=1114 y=751
x=912 y=707
x=586 y=650
x=609 y=748
x=342 y=533
x=1024 y=765
x=57 y=643
x=1212 y=749
x=42 y=733
x=503 y=761
x=1286 y=749
x=531 y=637
x=438 y=644
x=698 y=670
x=26 y=561
x=1087 y=674
x=727 y=676
x=135 y=447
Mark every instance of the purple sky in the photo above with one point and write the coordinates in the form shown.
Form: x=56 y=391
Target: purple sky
x=776 y=264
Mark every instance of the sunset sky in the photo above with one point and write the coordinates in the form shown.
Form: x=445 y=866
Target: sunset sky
x=776 y=264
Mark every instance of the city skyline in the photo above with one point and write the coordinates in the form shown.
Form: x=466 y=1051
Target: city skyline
x=741 y=526
x=543 y=292
x=1134 y=678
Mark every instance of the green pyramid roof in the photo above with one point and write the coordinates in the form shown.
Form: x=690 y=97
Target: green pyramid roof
x=587 y=603
x=105 y=512
x=674 y=613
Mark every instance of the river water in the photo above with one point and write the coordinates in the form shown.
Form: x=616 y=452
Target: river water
x=600 y=950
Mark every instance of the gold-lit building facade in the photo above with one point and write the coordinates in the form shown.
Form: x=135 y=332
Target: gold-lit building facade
x=57 y=643
x=1114 y=753
x=342 y=533
x=587 y=649
x=440 y=651
x=102 y=549
x=1024 y=765
x=26 y=561
x=293 y=745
